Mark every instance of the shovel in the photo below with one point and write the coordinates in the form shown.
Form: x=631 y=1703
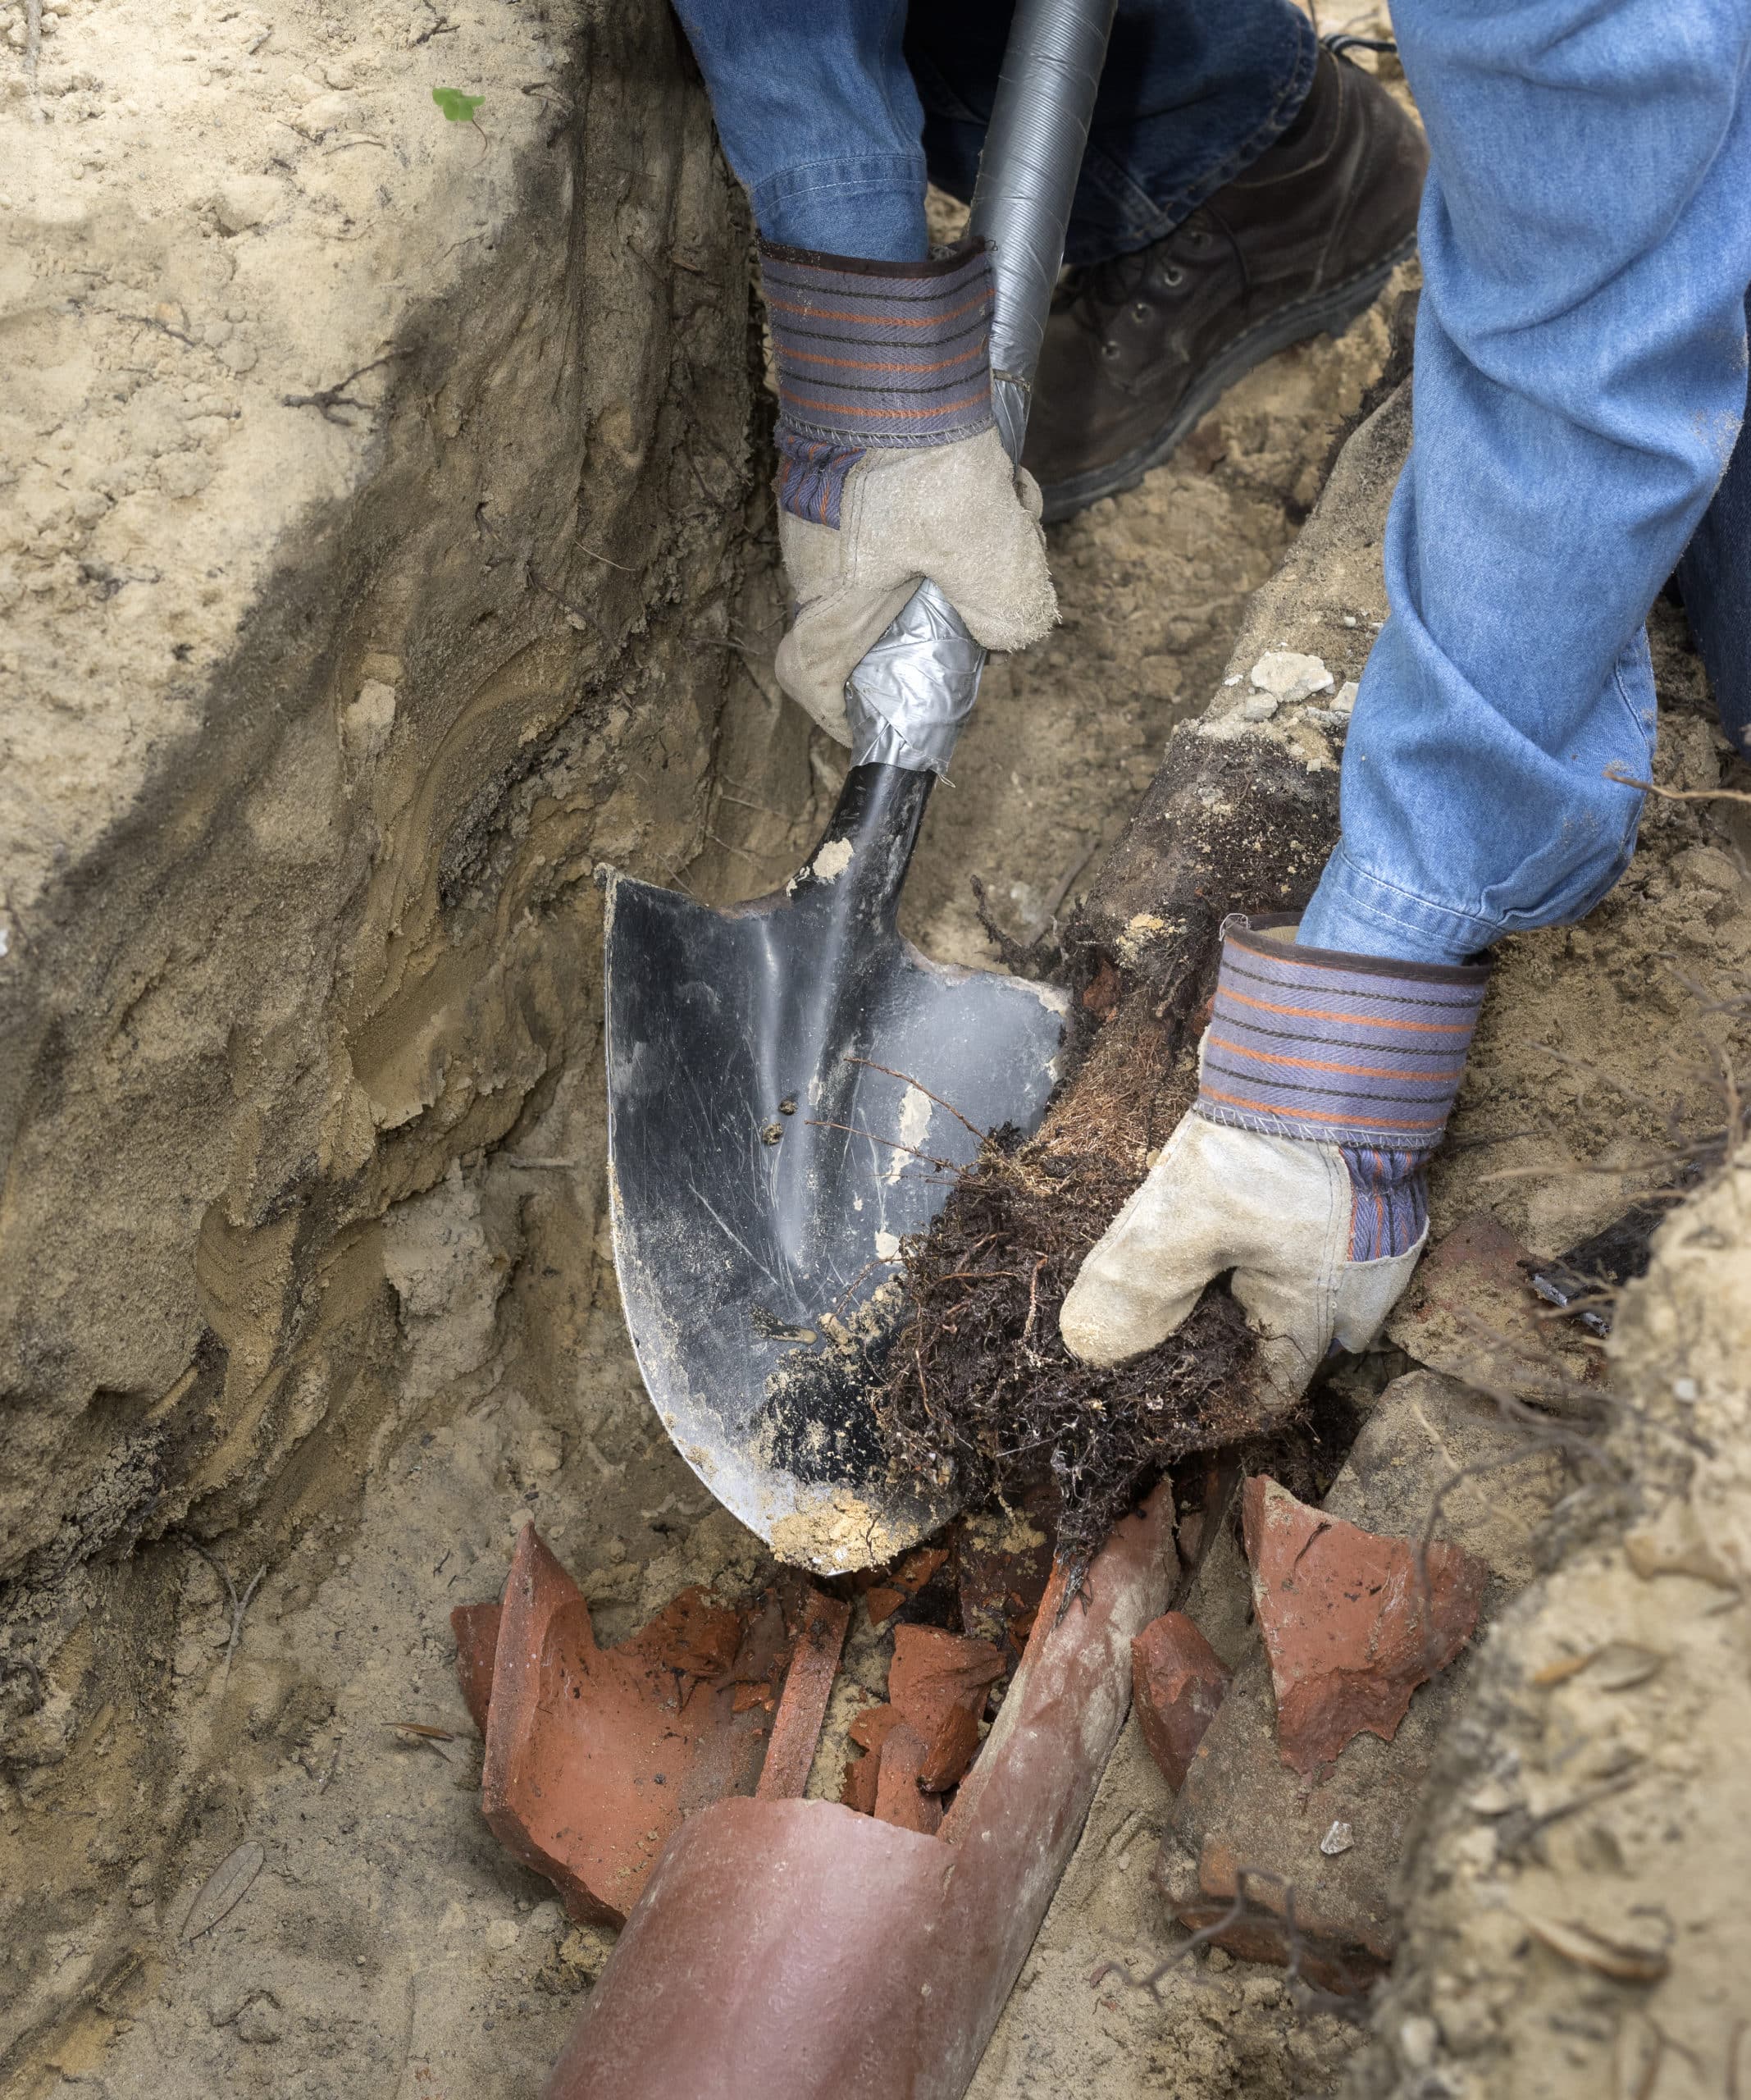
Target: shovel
x=793 y=1088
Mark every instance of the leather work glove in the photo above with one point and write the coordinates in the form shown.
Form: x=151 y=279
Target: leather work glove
x=891 y=469
x=1325 y=1081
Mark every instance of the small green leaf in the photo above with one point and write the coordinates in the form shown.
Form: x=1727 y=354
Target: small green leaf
x=457 y=108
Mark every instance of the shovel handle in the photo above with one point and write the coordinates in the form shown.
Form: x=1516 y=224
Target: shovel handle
x=1027 y=182
x=908 y=698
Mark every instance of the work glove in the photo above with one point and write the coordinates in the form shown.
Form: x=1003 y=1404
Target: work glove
x=891 y=469
x=1325 y=1081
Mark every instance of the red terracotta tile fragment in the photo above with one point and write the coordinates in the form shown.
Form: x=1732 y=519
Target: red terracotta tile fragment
x=1348 y=1627
x=859 y=1788
x=920 y=1566
x=595 y=1756
x=869 y=1730
x=898 y=1800
x=693 y=1633
x=475 y=1627
x=933 y=1671
x=883 y=1602
x=1178 y=1680
x=820 y=1629
x=952 y=1749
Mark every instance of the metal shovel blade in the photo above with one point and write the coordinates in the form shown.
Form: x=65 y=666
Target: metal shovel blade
x=762 y=1173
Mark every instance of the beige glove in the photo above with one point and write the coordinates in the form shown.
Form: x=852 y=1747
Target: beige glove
x=1276 y=1211
x=891 y=469
x=1325 y=1081
x=959 y=515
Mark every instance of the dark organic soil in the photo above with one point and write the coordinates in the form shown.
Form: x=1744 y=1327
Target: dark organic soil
x=982 y=1391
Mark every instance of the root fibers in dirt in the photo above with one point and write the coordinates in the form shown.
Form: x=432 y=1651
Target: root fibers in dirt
x=982 y=1391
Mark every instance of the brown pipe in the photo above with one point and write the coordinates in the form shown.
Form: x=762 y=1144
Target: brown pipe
x=791 y=1950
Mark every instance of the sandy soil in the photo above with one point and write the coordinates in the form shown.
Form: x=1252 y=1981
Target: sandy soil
x=395 y=1941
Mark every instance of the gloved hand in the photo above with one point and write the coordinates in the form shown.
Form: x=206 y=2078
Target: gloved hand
x=891 y=469
x=1326 y=1082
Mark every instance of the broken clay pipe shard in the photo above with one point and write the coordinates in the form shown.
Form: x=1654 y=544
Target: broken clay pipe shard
x=802 y=1705
x=934 y=1672
x=1178 y=1680
x=899 y=1799
x=794 y=1951
x=595 y=1756
x=952 y=1749
x=1352 y=1624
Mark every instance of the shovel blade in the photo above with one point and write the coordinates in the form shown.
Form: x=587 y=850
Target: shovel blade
x=762 y=1170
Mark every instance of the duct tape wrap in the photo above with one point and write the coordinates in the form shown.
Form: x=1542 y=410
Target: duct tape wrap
x=907 y=700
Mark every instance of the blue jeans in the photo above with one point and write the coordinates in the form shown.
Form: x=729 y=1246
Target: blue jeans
x=832 y=112
x=1581 y=386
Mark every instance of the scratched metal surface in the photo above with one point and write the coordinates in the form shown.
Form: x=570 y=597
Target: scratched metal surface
x=761 y=1180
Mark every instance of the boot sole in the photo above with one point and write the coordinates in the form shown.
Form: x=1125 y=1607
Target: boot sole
x=1327 y=312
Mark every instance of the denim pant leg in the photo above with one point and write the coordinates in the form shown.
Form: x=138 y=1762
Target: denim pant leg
x=819 y=120
x=1193 y=91
x=1580 y=381
x=1714 y=576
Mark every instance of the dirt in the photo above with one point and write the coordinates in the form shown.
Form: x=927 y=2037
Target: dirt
x=320 y=719
x=1575 y=1919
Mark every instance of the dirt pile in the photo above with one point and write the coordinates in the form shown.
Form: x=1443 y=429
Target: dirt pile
x=1575 y=1921
x=323 y=702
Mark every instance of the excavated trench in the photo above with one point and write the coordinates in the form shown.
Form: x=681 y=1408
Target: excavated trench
x=386 y=546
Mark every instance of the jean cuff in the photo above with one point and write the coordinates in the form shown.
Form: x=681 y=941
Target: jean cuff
x=870 y=205
x=1359 y=914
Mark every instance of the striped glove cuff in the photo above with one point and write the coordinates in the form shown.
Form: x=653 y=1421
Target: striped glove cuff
x=1345 y=1050
x=872 y=354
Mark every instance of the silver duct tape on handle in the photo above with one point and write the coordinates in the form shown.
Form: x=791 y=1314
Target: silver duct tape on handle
x=908 y=698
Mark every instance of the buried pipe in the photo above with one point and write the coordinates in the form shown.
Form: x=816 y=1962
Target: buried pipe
x=795 y=1950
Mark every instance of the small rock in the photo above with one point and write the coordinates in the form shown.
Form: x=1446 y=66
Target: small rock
x=1178 y=1680
x=260 y=2021
x=365 y=726
x=500 y=1934
x=1417 y=2039
x=327 y=113
x=1289 y=676
x=1338 y=1839
x=184 y=474
x=1347 y=1626
x=1344 y=699
x=1259 y=708
x=243 y=201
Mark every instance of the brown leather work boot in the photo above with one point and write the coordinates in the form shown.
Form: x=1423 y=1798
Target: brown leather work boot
x=1138 y=349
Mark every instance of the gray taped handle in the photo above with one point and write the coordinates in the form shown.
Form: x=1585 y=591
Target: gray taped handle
x=907 y=701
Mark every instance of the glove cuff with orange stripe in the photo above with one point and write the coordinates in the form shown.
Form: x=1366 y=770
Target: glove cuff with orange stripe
x=1351 y=1050
x=873 y=354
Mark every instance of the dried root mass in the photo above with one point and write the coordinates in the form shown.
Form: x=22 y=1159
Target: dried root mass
x=981 y=1390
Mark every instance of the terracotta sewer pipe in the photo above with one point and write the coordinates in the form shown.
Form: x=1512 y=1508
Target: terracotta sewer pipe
x=795 y=1950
